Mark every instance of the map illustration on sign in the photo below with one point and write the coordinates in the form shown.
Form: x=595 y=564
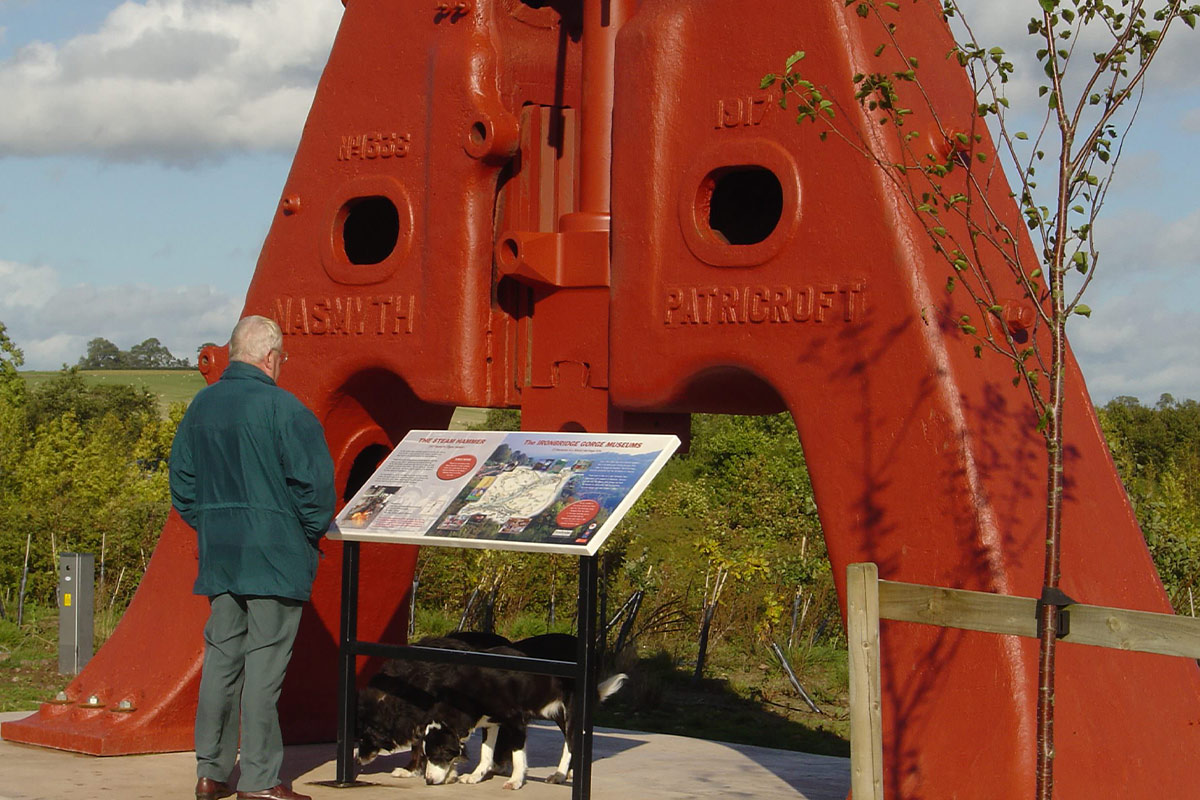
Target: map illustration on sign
x=553 y=492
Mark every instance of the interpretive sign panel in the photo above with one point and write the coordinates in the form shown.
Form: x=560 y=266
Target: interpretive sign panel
x=548 y=492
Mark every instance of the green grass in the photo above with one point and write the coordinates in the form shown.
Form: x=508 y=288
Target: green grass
x=29 y=658
x=465 y=417
x=742 y=701
x=29 y=652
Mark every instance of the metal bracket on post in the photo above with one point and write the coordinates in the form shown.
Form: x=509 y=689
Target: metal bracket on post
x=1052 y=596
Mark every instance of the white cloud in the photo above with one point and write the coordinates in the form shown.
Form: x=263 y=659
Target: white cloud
x=26 y=286
x=52 y=323
x=178 y=81
x=1137 y=170
x=1140 y=241
x=1141 y=337
x=1137 y=343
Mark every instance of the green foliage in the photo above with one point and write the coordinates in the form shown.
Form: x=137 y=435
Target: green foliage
x=1157 y=453
x=165 y=386
x=500 y=419
x=69 y=392
x=103 y=354
x=83 y=468
x=153 y=354
x=11 y=357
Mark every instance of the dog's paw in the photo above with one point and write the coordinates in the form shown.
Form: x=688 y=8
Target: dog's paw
x=401 y=772
x=474 y=777
x=557 y=777
x=513 y=783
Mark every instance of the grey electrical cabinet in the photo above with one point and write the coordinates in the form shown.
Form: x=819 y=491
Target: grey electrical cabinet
x=76 y=599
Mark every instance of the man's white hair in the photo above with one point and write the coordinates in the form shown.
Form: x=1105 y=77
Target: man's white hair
x=253 y=337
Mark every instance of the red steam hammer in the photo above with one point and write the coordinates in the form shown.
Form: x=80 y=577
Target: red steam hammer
x=588 y=210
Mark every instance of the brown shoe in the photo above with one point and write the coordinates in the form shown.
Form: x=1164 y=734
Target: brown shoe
x=208 y=789
x=279 y=792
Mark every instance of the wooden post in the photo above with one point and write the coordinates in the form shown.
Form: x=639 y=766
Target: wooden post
x=866 y=720
x=869 y=599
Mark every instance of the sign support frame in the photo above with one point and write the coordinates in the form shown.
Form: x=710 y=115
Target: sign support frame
x=583 y=670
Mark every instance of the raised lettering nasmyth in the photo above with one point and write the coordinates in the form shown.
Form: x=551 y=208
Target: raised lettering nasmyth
x=739 y=305
x=348 y=314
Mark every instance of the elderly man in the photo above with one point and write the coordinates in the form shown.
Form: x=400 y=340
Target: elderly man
x=251 y=472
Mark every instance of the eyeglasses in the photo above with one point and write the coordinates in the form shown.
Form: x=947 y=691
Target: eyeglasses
x=283 y=356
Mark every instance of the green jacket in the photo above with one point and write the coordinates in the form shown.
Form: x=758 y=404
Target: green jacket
x=251 y=472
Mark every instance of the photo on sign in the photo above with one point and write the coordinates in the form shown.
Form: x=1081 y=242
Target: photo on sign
x=368 y=505
x=534 y=494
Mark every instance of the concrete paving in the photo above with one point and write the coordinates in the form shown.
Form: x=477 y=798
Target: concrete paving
x=627 y=766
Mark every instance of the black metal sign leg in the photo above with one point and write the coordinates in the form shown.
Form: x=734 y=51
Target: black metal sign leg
x=346 y=663
x=585 y=681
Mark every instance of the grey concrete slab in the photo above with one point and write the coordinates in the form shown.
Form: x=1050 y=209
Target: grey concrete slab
x=627 y=765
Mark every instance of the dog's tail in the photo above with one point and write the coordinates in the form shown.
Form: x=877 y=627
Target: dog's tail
x=611 y=686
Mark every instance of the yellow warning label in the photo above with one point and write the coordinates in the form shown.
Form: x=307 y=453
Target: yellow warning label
x=66 y=599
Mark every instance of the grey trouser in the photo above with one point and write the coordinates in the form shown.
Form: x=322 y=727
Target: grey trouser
x=248 y=643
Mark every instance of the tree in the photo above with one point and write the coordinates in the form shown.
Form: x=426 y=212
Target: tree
x=103 y=354
x=153 y=354
x=12 y=447
x=951 y=189
x=150 y=354
x=11 y=358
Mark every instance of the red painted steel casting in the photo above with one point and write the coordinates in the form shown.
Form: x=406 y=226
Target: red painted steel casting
x=446 y=238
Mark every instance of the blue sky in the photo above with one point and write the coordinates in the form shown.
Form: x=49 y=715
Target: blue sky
x=144 y=145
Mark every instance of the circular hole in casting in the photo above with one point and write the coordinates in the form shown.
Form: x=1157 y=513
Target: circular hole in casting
x=745 y=205
x=510 y=252
x=478 y=133
x=370 y=229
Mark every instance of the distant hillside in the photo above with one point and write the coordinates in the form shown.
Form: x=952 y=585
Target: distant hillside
x=180 y=386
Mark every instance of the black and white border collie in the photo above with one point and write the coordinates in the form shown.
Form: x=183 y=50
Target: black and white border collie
x=393 y=709
x=502 y=702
